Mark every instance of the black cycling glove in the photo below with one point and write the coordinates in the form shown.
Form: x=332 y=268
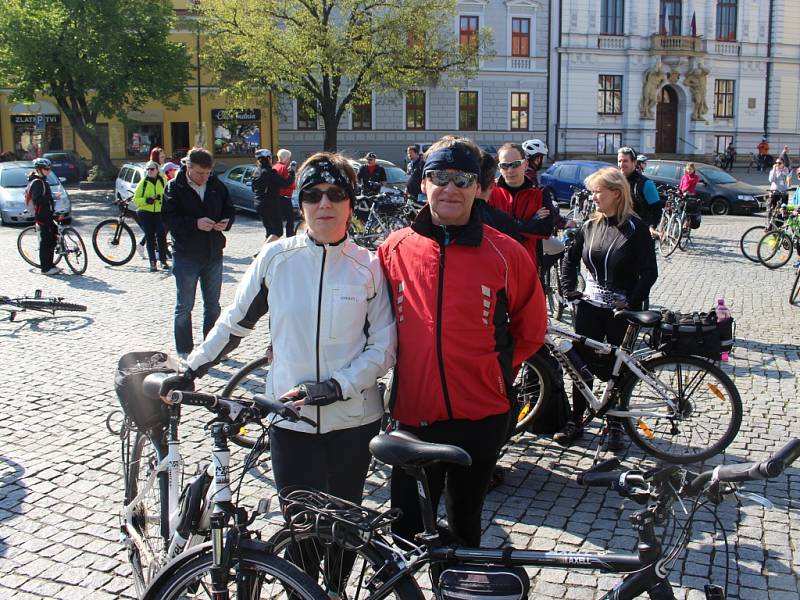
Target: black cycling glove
x=322 y=393
x=574 y=295
x=183 y=382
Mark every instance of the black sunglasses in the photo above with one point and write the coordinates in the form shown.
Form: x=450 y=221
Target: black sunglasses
x=459 y=178
x=314 y=196
x=509 y=165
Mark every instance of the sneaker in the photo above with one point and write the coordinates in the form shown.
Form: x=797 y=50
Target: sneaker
x=165 y=266
x=614 y=441
x=52 y=271
x=571 y=432
x=140 y=251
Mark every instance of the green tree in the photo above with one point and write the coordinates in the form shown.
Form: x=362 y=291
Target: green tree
x=333 y=53
x=94 y=57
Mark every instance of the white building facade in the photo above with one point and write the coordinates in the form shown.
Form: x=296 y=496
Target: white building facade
x=674 y=77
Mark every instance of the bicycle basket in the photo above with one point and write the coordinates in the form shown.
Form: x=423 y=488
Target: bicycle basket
x=132 y=368
x=697 y=334
x=484 y=581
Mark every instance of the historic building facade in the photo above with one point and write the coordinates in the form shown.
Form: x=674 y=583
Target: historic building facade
x=682 y=77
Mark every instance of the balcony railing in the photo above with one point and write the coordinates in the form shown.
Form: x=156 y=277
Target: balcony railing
x=677 y=44
x=610 y=42
x=519 y=63
x=724 y=48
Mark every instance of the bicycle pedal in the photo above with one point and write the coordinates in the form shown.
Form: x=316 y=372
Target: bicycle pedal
x=714 y=592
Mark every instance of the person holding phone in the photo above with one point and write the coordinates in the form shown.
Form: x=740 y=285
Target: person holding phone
x=148 y=198
x=196 y=210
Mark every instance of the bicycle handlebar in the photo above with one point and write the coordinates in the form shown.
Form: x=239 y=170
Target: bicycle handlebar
x=261 y=407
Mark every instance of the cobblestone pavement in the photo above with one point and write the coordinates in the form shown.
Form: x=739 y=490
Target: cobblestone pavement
x=60 y=475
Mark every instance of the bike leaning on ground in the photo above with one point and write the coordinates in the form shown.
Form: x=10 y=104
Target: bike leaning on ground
x=38 y=303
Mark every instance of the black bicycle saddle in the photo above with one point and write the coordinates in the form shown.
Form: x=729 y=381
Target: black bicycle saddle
x=400 y=448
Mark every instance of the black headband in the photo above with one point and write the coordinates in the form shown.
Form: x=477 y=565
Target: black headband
x=454 y=157
x=324 y=171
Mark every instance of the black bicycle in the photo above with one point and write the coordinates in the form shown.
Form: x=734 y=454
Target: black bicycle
x=333 y=532
x=69 y=245
x=38 y=303
x=113 y=239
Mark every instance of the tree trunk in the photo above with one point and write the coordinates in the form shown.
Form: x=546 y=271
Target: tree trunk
x=100 y=155
x=331 y=124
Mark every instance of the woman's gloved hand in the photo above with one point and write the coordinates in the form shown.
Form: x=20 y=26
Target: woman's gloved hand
x=312 y=393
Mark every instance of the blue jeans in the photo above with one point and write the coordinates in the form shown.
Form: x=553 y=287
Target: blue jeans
x=188 y=271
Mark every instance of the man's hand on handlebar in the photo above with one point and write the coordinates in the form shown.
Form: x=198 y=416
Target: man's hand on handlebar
x=181 y=381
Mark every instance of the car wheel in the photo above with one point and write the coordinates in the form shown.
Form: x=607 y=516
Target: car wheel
x=720 y=206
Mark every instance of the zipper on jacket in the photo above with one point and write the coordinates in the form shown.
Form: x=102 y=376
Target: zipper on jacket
x=439 y=354
x=319 y=318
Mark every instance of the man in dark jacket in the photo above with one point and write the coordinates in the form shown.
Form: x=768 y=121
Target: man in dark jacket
x=414 y=172
x=371 y=175
x=267 y=183
x=196 y=210
x=43 y=210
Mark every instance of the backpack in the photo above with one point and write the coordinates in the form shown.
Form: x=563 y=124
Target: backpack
x=29 y=196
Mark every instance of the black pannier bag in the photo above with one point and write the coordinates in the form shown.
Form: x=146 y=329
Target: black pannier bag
x=484 y=582
x=697 y=334
x=132 y=368
x=693 y=212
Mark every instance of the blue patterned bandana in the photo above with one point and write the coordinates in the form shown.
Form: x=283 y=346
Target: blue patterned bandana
x=324 y=171
x=452 y=158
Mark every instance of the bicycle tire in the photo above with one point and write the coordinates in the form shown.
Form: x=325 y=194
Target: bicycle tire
x=748 y=243
x=250 y=569
x=685 y=236
x=794 y=295
x=248 y=380
x=553 y=294
x=75 y=250
x=669 y=237
x=144 y=458
x=775 y=249
x=114 y=242
x=50 y=304
x=689 y=374
x=370 y=561
x=533 y=384
x=28 y=247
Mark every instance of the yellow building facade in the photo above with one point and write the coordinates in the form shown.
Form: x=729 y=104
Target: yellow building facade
x=208 y=120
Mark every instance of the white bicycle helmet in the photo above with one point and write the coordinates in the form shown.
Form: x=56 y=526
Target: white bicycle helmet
x=263 y=153
x=534 y=147
x=641 y=158
x=41 y=163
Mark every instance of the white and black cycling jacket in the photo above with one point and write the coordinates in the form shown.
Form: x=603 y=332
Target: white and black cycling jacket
x=329 y=316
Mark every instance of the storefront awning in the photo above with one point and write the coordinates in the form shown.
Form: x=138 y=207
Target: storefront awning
x=42 y=107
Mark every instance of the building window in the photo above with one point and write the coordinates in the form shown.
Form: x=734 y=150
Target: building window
x=468 y=31
x=236 y=131
x=468 y=111
x=723 y=98
x=362 y=115
x=608 y=143
x=306 y=114
x=609 y=95
x=519 y=111
x=726 y=20
x=415 y=109
x=722 y=142
x=611 y=13
x=670 y=17
x=520 y=37
x=142 y=137
x=35 y=134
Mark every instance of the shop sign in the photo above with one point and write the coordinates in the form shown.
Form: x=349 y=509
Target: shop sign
x=35 y=119
x=225 y=114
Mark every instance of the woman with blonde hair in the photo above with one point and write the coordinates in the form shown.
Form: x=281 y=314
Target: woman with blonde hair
x=617 y=252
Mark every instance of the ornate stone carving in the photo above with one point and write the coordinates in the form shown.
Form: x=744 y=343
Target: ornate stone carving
x=654 y=78
x=696 y=79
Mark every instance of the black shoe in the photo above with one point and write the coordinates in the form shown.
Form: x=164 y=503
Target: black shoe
x=614 y=441
x=165 y=265
x=153 y=267
x=498 y=477
x=571 y=432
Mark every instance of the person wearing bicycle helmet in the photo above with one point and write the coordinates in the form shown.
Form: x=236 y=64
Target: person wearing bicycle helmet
x=44 y=209
x=535 y=151
x=641 y=162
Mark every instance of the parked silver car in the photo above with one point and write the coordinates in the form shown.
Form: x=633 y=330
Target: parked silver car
x=14 y=180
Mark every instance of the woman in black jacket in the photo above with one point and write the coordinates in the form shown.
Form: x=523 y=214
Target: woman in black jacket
x=617 y=251
x=266 y=184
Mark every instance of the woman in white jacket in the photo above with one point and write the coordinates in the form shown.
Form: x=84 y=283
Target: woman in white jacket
x=332 y=334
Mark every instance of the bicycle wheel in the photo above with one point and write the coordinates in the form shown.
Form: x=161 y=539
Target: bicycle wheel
x=144 y=458
x=114 y=242
x=794 y=295
x=748 y=243
x=686 y=234
x=775 y=249
x=669 y=237
x=74 y=250
x=709 y=410
x=51 y=305
x=371 y=564
x=533 y=384
x=253 y=574
x=247 y=381
x=28 y=247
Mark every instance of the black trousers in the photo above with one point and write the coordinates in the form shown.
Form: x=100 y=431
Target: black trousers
x=287 y=215
x=47 y=244
x=599 y=324
x=335 y=462
x=464 y=487
x=155 y=234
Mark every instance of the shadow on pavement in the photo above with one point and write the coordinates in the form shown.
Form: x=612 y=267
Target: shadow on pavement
x=12 y=492
x=55 y=324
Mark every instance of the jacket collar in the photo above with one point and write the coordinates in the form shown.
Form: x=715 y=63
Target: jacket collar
x=470 y=234
x=314 y=246
x=527 y=184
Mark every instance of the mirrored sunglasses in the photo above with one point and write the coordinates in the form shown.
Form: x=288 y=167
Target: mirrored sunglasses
x=314 y=196
x=459 y=178
x=509 y=165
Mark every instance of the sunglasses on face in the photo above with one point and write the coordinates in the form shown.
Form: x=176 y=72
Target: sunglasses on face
x=314 y=196
x=152 y=169
x=505 y=166
x=459 y=178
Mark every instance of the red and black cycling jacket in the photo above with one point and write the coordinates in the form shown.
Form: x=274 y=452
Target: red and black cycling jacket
x=469 y=309
x=522 y=203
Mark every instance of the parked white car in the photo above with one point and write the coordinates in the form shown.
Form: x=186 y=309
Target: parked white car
x=14 y=180
x=128 y=178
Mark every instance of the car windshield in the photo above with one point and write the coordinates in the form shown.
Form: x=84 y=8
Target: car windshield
x=395 y=175
x=715 y=175
x=18 y=178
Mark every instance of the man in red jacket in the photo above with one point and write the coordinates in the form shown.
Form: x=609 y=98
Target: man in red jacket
x=522 y=199
x=469 y=309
